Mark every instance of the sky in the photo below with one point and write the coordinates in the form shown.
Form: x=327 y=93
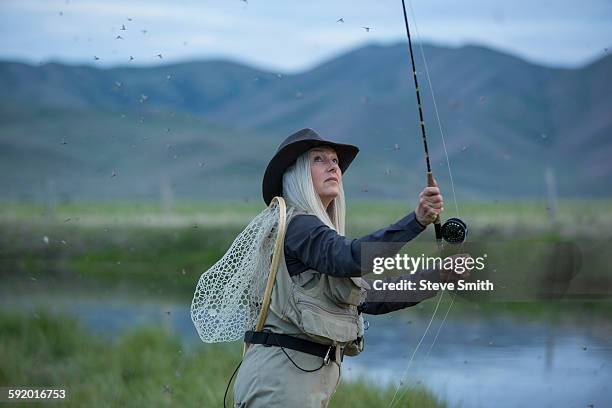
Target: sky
x=291 y=36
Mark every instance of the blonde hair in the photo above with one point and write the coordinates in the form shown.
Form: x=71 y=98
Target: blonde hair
x=299 y=192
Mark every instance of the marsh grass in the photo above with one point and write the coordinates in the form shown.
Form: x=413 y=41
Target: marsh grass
x=106 y=246
x=167 y=259
x=144 y=367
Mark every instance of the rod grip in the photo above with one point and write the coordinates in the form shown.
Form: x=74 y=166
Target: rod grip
x=431 y=182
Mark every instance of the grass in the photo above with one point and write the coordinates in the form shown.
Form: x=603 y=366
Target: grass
x=108 y=245
x=169 y=259
x=163 y=256
x=144 y=367
x=360 y=214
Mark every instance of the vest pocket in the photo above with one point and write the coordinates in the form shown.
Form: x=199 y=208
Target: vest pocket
x=348 y=291
x=333 y=323
x=361 y=283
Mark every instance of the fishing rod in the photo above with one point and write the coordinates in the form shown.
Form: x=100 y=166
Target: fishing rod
x=453 y=230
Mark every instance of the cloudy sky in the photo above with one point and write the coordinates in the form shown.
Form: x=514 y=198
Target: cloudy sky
x=288 y=36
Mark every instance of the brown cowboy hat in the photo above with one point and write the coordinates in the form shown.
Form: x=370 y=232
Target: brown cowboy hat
x=290 y=149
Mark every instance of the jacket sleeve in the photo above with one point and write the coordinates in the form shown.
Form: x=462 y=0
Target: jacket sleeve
x=312 y=244
x=386 y=301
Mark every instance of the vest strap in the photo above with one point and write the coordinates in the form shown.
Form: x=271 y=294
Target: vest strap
x=267 y=338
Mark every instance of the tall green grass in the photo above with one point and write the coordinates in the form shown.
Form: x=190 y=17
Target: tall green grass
x=364 y=214
x=147 y=367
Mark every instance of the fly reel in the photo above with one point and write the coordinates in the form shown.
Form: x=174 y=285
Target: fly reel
x=454 y=231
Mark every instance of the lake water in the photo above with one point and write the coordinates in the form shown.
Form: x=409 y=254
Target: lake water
x=475 y=361
x=499 y=362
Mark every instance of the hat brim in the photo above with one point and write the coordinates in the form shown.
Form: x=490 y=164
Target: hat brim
x=285 y=157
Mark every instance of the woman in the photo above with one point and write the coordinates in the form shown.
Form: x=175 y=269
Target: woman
x=315 y=315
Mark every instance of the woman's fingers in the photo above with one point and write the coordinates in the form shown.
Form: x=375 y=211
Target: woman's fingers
x=429 y=191
x=435 y=206
x=431 y=204
x=437 y=198
x=432 y=208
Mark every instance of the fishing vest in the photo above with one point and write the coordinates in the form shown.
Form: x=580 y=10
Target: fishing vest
x=318 y=307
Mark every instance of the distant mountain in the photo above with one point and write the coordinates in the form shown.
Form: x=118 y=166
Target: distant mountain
x=206 y=129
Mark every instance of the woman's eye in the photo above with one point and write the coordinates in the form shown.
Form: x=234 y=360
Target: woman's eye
x=335 y=161
x=318 y=158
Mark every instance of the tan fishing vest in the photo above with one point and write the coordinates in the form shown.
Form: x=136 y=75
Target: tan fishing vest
x=318 y=307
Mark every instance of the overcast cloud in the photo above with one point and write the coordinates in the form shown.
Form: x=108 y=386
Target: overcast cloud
x=289 y=35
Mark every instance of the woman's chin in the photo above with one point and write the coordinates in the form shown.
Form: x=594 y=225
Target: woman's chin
x=330 y=194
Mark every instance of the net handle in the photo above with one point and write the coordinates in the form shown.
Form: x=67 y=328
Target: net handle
x=278 y=247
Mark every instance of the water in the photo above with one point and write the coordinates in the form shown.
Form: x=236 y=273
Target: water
x=109 y=314
x=501 y=362
x=475 y=362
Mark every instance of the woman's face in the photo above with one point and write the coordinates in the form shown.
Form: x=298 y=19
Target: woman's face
x=326 y=174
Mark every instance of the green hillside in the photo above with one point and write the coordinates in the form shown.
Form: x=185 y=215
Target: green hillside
x=206 y=129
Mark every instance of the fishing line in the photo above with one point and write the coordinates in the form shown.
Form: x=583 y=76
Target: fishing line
x=415 y=350
x=457 y=229
x=441 y=324
x=433 y=98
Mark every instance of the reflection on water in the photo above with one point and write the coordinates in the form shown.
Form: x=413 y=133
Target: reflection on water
x=499 y=362
x=475 y=362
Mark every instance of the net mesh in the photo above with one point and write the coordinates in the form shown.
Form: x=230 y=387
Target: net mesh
x=229 y=295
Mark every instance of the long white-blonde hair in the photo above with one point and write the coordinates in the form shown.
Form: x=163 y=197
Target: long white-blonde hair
x=299 y=192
